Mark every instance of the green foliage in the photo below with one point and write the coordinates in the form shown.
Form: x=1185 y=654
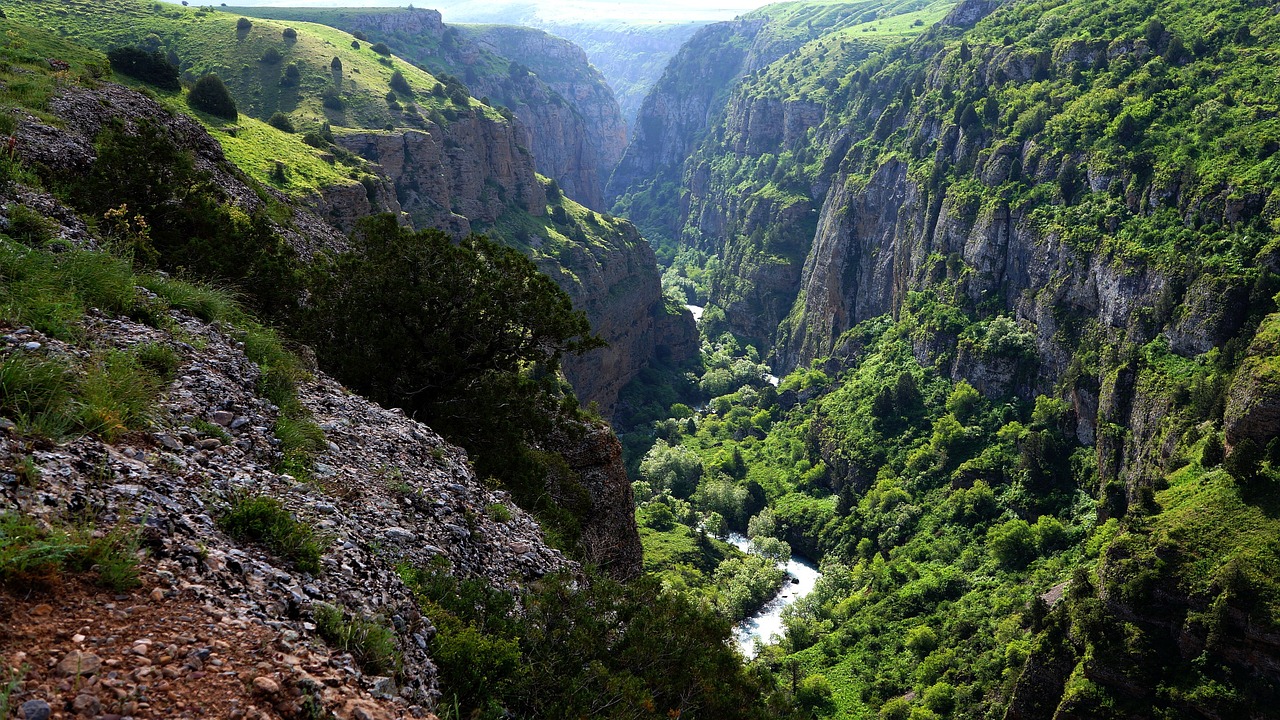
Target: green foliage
x=149 y=67
x=31 y=557
x=380 y=48
x=445 y=329
x=370 y=642
x=210 y=95
x=262 y=519
x=281 y=122
x=399 y=84
x=653 y=653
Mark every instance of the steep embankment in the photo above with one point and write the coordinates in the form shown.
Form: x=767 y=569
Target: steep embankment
x=569 y=118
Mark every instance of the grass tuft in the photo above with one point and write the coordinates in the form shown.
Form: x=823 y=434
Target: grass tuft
x=372 y=644
x=265 y=520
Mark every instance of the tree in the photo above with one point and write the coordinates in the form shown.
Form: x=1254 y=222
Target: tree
x=674 y=468
x=1212 y=454
x=336 y=65
x=243 y=24
x=211 y=96
x=149 y=67
x=380 y=48
x=289 y=34
x=399 y=84
x=468 y=335
x=1012 y=544
x=281 y=122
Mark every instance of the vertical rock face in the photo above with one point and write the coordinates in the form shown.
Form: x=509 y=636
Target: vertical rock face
x=618 y=287
x=472 y=169
x=609 y=531
x=584 y=134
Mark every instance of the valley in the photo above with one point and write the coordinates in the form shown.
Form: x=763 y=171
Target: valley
x=875 y=359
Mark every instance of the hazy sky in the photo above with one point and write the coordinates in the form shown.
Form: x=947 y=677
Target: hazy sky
x=552 y=10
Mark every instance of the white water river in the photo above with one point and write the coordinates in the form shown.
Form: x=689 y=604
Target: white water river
x=766 y=624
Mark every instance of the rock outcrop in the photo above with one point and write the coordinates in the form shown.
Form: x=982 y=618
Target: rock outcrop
x=576 y=131
x=471 y=170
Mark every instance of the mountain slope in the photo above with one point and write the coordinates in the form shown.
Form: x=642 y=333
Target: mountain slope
x=570 y=119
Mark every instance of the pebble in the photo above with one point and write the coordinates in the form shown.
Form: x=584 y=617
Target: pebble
x=79 y=663
x=266 y=685
x=30 y=346
x=36 y=710
x=223 y=418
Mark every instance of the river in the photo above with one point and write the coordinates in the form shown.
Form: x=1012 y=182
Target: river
x=766 y=624
x=696 y=310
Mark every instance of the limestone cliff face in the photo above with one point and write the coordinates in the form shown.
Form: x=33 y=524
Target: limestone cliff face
x=618 y=286
x=584 y=134
x=570 y=119
x=469 y=170
x=609 y=533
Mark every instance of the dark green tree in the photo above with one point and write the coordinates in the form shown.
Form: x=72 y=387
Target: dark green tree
x=210 y=95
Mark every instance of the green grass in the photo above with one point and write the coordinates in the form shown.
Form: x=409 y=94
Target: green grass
x=31 y=557
x=371 y=643
x=265 y=520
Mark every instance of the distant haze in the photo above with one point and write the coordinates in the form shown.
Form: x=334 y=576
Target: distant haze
x=560 y=11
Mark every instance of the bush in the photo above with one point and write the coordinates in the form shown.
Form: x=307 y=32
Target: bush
x=281 y=122
x=261 y=519
x=289 y=34
x=372 y=644
x=333 y=101
x=399 y=84
x=149 y=67
x=1012 y=544
x=380 y=48
x=210 y=95
x=291 y=76
x=355 y=45
x=243 y=24
x=31 y=556
x=271 y=56
x=336 y=64
x=359 y=35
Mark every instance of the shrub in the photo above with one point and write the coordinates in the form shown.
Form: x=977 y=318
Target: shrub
x=333 y=101
x=380 y=48
x=315 y=140
x=1012 y=544
x=399 y=84
x=289 y=34
x=261 y=519
x=372 y=644
x=359 y=35
x=336 y=64
x=243 y=24
x=149 y=67
x=36 y=394
x=355 y=45
x=210 y=95
x=271 y=56
x=291 y=76
x=281 y=122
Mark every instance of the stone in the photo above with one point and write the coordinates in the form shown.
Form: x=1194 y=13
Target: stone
x=87 y=705
x=239 y=423
x=169 y=442
x=30 y=346
x=266 y=685
x=35 y=710
x=79 y=663
x=223 y=418
x=209 y=444
x=6 y=424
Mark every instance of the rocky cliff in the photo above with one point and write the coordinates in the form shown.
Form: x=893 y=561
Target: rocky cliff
x=570 y=119
x=1034 y=244
x=472 y=169
x=577 y=90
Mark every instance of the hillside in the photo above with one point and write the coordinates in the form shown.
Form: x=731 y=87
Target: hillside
x=434 y=155
x=570 y=119
x=1017 y=271
x=196 y=519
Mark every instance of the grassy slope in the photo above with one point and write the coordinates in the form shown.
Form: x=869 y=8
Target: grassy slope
x=208 y=41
